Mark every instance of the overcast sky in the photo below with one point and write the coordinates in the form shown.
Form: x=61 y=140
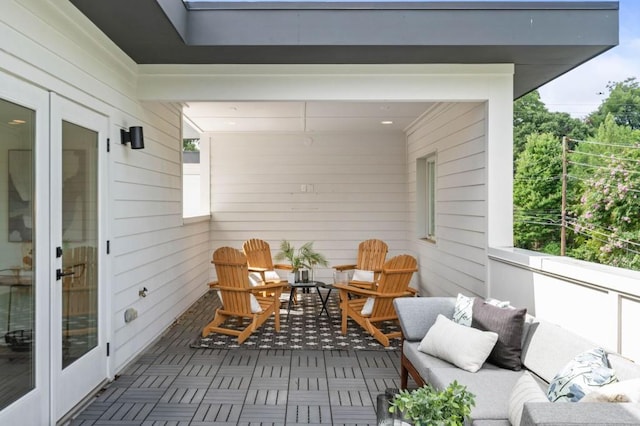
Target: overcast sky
x=580 y=91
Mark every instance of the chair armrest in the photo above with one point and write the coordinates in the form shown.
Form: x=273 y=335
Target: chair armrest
x=283 y=266
x=213 y=284
x=268 y=286
x=590 y=414
x=217 y=286
x=257 y=269
x=344 y=267
x=355 y=290
x=417 y=314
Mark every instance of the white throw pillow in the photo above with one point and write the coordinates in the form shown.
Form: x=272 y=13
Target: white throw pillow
x=368 y=306
x=464 y=347
x=463 y=310
x=361 y=275
x=587 y=372
x=526 y=389
x=624 y=391
x=255 y=305
x=255 y=279
x=271 y=276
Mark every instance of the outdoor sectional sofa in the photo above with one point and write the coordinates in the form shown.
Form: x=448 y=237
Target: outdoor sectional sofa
x=500 y=393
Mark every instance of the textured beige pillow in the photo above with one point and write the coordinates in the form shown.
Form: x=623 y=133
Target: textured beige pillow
x=362 y=275
x=271 y=276
x=525 y=390
x=624 y=391
x=444 y=338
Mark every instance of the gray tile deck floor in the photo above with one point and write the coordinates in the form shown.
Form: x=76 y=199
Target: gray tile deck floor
x=173 y=384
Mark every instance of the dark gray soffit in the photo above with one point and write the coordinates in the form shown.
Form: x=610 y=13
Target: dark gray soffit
x=543 y=40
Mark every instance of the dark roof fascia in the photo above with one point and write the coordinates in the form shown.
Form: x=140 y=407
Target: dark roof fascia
x=405 y=5
x=542 y=39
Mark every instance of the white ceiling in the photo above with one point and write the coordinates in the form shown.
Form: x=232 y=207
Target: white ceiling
x=303 y=116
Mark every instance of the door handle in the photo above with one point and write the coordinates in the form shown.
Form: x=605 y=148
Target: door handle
x=60 y=274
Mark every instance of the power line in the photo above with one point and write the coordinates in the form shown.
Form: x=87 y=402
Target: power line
x=634 y=146
x=607 y=157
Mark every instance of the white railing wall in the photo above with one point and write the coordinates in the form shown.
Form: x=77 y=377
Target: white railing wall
x=598 y=302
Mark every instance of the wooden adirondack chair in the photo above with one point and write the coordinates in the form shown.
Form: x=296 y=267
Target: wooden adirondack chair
x=393 y=282
x=259 y=260
x=371 y=257
x=239 y=298
x=80 y=291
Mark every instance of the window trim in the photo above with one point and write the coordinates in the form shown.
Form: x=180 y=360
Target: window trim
x=426 y=197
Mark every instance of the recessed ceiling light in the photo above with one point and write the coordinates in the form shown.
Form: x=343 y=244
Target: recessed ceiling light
x=386 y=122
x=231 y=123
x=16 y=121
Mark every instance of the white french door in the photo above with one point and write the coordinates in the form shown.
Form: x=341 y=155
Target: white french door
x=52 y=293
x=25 y=261
x=78 y=338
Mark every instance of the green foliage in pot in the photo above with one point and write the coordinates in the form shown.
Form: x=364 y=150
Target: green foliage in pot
x=428 y=406
x=304 y=257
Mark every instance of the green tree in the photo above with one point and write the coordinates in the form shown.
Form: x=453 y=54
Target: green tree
x=623 y=103
x=537 y=194
x=190 y=144
x=531 y=116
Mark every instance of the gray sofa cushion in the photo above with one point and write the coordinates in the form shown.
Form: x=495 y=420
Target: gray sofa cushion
x=417 y=314
x=491 y=385
x=625 y=368
x=548 y=348
x=589 y=414
x=421 y=361
x=490 y=422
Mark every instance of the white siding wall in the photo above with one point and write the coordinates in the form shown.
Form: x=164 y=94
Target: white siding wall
x=456 y=132
x=56 y=48
x=355 y=190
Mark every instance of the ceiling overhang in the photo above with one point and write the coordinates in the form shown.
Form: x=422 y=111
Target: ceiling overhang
x=543 y=40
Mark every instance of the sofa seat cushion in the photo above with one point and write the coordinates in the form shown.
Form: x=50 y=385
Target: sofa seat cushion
x=491 y=386
x=591 y=414
x=423 y=362
x=490 y=422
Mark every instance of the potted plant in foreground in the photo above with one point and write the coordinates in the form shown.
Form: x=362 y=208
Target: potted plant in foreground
x=303 y=258
x=428 y=406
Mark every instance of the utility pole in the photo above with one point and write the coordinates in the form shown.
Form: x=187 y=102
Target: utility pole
x=563 y=209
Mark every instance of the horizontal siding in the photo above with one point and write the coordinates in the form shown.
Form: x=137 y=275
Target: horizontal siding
x=457 y=261
x=359 y=191
x=54 y=46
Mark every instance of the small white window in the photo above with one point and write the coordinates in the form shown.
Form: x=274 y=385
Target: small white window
x=195 y=172
x=426 y=196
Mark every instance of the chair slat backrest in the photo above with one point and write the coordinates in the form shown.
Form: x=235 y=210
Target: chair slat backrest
x=232 y=271
x=395 y=278
x=258 y=253
x=372 y=254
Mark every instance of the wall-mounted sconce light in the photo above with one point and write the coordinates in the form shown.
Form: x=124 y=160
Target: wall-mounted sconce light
x=134 y=135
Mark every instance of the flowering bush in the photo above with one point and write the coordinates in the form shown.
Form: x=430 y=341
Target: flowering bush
x=607 y=213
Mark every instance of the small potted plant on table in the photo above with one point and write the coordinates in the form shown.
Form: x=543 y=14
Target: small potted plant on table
x=303 y=258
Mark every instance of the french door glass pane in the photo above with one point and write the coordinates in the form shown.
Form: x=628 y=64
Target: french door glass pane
x=79 y=241
x=17 y=233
